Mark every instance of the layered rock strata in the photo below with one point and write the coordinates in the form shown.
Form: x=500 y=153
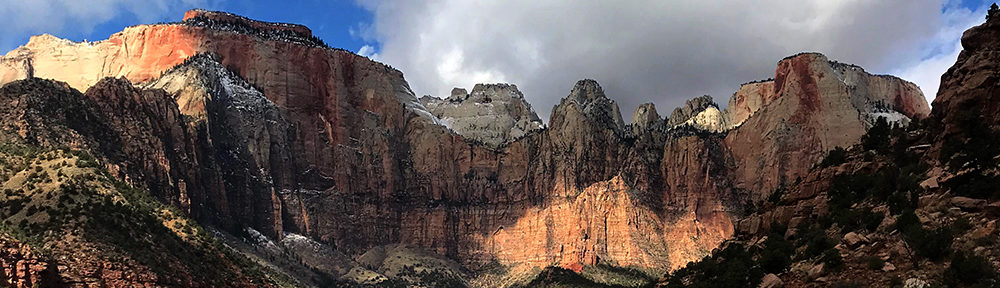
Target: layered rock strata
x=275 y=131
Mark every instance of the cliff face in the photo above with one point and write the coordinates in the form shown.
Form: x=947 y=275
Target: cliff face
x=266 y=128
x=817 y=105
x=748 y=99
x=927 y=192
x=970 y=86
x=74 y=182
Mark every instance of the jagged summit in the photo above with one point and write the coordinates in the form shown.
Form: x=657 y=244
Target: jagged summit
x=645 y=116
x=588 y=98
x=493 y=114
x=691 y=108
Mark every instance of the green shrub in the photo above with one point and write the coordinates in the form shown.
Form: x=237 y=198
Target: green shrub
x=897 y=187
x=775 y=196
x=969 y=269
x=875 y=263
x=931 y=244
x=856 y=219
x=832 y=260
x=975 y=184
x=975 y=146
x=961 y=225
x=776 y=255
x=814 y=239
x=31 y=210
x=835 y=157
x=549 y=277
x=895 y=282
x=988 y=240
x=877 y=138
x=733 y=266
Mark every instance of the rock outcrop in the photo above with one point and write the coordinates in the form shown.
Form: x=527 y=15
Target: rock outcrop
x=22 y=268
x=494 y=114
x=970 y=86
x=700 y=112
x=645 y=116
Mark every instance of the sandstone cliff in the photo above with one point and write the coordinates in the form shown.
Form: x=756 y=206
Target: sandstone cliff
x=817 y=105
x=914 y=206
x=254 y=126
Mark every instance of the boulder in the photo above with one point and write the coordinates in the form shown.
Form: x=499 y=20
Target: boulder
x=854 y=239
x=771 y=281
x=968 y=204
x=915 y=283
x=816 y=271
x=888 y=267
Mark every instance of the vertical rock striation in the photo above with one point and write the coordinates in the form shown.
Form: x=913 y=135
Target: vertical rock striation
x=268 y=128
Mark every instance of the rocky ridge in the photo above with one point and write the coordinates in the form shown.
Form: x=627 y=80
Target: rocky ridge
x=75 y=185
x=494 y=114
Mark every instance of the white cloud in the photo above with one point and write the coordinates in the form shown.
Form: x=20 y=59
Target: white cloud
x=369 y=51
x=943 y=49
x=80 y=16
x=649 y=50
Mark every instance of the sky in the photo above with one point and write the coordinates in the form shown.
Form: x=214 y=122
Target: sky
x=640 y=51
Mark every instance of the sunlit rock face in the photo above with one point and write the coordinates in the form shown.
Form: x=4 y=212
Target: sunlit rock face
x=280 y=133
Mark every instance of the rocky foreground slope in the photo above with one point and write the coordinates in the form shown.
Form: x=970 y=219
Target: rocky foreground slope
x=302 y=155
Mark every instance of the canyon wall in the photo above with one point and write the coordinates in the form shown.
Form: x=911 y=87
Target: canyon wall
x=271 y=129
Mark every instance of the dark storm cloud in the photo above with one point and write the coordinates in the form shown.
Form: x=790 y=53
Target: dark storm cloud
x=648 y=51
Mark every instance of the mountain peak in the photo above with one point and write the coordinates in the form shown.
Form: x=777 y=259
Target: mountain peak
x=645 y=115
x=493 y=114
x=586 y=90
x=691 y=108
x=588 y=97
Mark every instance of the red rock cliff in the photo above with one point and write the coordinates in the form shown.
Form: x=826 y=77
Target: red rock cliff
x=816 y=105
x=291 y=136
